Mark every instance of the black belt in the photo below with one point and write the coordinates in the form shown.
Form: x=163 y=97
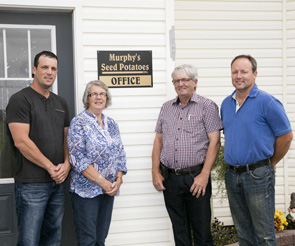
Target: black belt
x=184 y=171
x=252 y=166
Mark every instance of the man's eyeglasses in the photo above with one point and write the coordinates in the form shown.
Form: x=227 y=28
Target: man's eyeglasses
x=95 y=94
x=184 y=80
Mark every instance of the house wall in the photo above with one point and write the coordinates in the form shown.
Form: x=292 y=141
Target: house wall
x=210 y=34
x=290 y=92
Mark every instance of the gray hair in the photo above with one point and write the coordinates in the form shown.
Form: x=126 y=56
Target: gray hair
x=87 y=90
x=190 y=70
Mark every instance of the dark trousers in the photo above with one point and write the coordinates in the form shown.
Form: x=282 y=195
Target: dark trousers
x=190 y=216
x=92 y=218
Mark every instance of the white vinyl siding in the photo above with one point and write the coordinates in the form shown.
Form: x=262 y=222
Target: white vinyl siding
x=139 y=215
x=209 y=34
x=290 y=93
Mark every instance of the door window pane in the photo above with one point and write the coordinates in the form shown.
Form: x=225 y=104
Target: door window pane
x=40 y=40
x=17 y=53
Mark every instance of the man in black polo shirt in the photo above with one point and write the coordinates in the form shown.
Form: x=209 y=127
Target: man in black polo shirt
x=38 y=121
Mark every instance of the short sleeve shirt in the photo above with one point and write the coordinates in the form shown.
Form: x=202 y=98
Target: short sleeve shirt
x=251 y=131
x=185 y=131
x=47 y=118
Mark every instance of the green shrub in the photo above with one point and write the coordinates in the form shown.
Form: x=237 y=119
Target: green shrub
x=218 y=173
x=223 y=235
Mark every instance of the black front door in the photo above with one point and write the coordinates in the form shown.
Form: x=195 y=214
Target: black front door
x=22 y=35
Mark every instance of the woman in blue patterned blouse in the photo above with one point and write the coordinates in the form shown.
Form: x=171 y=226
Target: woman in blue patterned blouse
x=98 y=163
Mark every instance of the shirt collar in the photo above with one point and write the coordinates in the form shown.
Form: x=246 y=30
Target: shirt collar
x=194 y=98
x=40 y=95
x=253 y=92
x=93 y=115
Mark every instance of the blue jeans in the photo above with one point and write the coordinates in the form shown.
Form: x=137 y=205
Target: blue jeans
x=92 y=218
x=188 y=214
x=252 y=204
x=39 y=208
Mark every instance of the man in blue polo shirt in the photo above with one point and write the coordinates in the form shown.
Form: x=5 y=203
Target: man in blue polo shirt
x=257 y=136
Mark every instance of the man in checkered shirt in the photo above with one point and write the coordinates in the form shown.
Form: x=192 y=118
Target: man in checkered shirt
x=185 y=148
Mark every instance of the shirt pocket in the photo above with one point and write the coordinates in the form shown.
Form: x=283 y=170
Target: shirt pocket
x=192 y=124
x=60 y=117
